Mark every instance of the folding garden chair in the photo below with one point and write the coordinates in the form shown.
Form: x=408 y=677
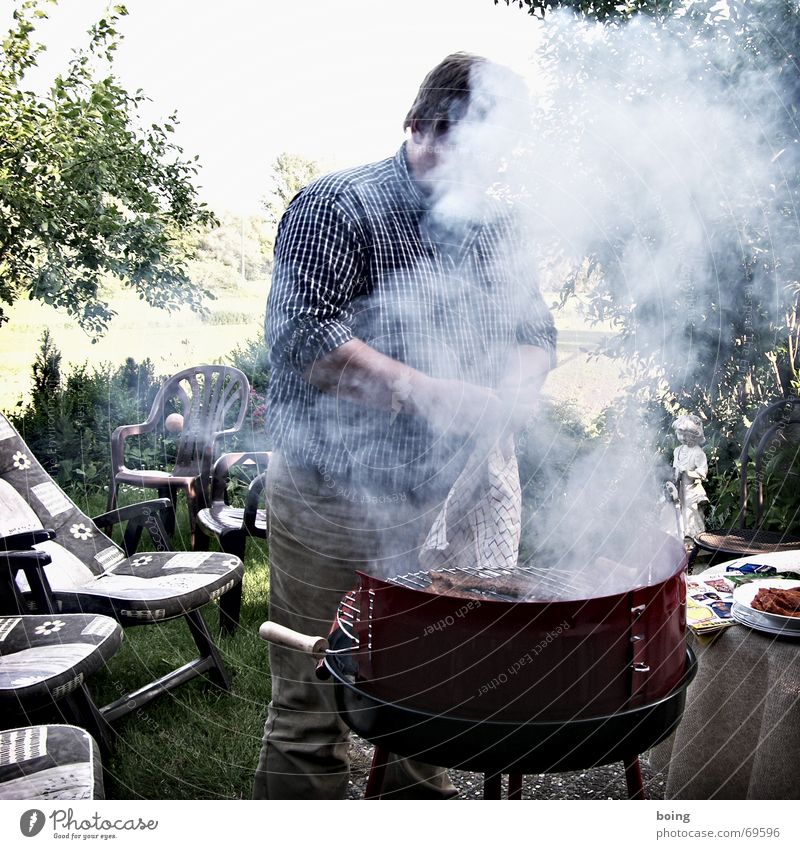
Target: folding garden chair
x=45 y=661
x=89 y=573
x=232 y=526
x=48 y=762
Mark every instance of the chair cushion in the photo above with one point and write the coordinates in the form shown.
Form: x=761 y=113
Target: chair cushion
x=43 y=658
x=31 y=499
x=221 y=518
x=153 y=586
x=49 y=762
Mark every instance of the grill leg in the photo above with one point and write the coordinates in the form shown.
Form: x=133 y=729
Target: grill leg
x=633 y=778
x=515 y=785
x=492 y=786
x=377 y=774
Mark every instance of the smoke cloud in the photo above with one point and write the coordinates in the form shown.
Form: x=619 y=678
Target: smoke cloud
x=661 y=152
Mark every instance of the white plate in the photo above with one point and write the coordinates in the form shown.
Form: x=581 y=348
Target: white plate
x=753 y=619
x=745 y=594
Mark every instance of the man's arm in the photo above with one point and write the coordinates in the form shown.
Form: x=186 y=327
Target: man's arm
x=316 y=276
x=359 y=373
x=526 y=372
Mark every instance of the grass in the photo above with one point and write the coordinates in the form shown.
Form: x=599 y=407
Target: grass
x=196 y=742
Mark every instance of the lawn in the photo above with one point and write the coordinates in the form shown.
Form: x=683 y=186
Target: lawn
x=171 y=340
x=196 y=742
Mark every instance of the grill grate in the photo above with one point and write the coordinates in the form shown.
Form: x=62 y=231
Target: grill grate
x=543 y=581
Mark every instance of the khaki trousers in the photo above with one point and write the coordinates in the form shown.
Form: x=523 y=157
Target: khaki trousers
x=319 y=535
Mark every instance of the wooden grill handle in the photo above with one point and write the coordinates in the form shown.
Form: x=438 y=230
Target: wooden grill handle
x=282 y=636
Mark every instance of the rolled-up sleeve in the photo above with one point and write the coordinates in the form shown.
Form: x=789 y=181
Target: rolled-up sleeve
x=316 y=274
x=536 y=326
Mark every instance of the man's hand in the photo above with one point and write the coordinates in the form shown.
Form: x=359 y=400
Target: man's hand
x=357 y=372
x=453 y=406
x=526 y=370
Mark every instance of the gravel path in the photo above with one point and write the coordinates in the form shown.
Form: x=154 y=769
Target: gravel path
x=606 y=782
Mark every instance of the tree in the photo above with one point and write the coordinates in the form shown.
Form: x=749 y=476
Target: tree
x=85 y=192
x=718 y=350
x=740 y=59
x=232 y=251
x=600 y=9
x=289 y=174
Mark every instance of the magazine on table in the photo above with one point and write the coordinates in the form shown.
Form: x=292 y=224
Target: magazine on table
x=709 y=599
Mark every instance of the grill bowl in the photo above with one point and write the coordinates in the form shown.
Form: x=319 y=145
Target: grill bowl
x=494 y=746
x=501 y=660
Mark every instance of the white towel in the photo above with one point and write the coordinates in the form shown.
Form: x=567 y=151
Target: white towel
x=480 y=522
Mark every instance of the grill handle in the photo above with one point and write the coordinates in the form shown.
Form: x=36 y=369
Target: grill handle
x=279 y=635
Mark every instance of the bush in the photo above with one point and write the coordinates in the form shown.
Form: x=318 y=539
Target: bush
x=252 y=357
x=69 y=419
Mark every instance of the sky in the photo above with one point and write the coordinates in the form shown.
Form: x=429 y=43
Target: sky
x=328 y=80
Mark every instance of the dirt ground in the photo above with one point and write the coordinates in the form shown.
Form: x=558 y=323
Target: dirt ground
x=607 y=782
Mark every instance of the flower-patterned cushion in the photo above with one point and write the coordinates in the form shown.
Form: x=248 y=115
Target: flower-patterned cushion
x=49 y=762
x=89 y=572
x=43 y=658
x=152 y=586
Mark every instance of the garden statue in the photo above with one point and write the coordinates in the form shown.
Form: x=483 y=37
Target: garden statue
x=690 y=469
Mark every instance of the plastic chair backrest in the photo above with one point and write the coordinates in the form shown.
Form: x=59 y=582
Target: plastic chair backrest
x=776 y=426
x=213 y=401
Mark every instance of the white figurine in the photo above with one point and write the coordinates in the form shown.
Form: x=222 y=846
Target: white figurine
x=690 y=470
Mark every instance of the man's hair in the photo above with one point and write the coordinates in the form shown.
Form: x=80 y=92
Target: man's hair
x=443 y=97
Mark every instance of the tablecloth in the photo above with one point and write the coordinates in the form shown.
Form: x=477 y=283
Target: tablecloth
x=740 y=734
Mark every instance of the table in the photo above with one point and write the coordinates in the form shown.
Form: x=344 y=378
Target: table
x=740 y=734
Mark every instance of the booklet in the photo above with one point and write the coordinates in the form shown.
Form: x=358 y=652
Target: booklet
x=709 y=600
x=708 y=603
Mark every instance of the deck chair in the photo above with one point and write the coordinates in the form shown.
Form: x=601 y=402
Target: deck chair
x=48 y=762
x=89 y=573
x=233 y=526
x=45 y=661
x=774 y=437
x=212 y=401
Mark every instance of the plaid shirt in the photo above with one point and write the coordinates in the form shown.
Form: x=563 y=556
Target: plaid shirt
x=358 y=255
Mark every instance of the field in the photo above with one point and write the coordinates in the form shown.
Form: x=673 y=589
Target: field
x=178 y=340
x=171 y=340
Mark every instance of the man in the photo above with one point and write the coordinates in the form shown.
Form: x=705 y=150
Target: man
x=399 y=337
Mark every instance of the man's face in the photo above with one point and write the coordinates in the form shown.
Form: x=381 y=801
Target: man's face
x=434 y=152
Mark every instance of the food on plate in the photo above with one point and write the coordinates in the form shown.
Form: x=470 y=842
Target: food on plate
x=779 y=602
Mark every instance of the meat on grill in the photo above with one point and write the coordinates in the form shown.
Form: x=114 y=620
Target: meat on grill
x=455 y=583
x=780 y=602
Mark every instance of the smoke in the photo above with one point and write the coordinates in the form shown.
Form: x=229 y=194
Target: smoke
x=659 y=151
x=654 y=149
